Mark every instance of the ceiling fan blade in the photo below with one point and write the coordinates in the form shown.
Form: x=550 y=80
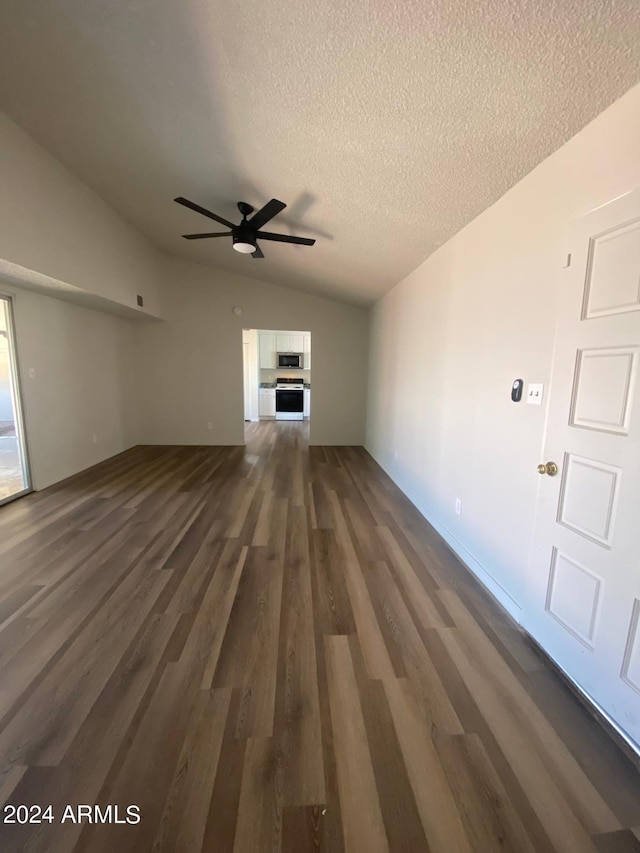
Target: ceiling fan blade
x=258 y=253
x=271 y=209
x=202 y=236
x=285 y=238
x=193 y=206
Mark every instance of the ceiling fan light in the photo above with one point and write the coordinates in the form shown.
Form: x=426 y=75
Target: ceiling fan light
x=245 y=248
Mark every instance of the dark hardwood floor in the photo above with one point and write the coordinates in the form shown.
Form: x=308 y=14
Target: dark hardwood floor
x=268 y=649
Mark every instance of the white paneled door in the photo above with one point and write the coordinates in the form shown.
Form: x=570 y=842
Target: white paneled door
x=586 y=557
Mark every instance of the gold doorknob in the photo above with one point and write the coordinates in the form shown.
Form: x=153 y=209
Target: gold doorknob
x=549 y=468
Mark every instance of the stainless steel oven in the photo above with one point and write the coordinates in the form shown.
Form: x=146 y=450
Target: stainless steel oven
x=289 y=400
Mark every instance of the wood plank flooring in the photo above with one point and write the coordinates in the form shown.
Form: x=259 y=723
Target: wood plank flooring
x=268 y=649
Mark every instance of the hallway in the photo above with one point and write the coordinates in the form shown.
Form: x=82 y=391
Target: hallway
x=269 y=649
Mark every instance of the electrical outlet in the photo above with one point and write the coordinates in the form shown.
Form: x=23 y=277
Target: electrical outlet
x=458 y=506
x=94 y=438
x=209 y=425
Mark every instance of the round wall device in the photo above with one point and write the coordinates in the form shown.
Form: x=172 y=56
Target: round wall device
x=237 y=310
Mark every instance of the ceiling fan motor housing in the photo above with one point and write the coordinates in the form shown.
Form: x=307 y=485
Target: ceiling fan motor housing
x=242 y=234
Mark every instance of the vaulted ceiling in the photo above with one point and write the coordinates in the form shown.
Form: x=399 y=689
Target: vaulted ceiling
x=385 y=125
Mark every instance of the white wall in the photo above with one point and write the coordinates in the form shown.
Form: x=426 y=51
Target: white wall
x=447 y=342
x=190 y=368
x=82 y=385
x=52 y=223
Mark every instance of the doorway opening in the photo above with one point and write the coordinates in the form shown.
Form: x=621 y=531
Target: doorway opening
x=277 y=375
x=14 y=470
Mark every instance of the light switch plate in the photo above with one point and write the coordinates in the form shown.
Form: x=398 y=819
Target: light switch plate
x=535 y=391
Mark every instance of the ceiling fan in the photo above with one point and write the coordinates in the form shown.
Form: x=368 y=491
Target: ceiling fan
x=246 y=234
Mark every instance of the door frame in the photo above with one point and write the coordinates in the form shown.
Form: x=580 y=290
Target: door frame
x=246 y=379
x=14 y=372
x=253 y=367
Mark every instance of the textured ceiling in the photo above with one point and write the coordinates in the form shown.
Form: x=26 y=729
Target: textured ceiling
x=385 y=126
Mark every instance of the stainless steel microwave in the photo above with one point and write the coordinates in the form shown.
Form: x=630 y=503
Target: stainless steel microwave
x=293 y=360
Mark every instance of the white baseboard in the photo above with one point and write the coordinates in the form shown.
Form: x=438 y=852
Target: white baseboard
x=628 y=742
x=504 y=598
x=475 y=566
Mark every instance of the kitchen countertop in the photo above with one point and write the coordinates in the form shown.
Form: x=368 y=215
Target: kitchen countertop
x=307 y=385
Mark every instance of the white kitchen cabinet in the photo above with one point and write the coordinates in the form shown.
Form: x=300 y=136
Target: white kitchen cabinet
x=267 y=404
x=267 y=350
x=307 y=403
x=296 y=342
x=307 y=352
x=289 y=343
